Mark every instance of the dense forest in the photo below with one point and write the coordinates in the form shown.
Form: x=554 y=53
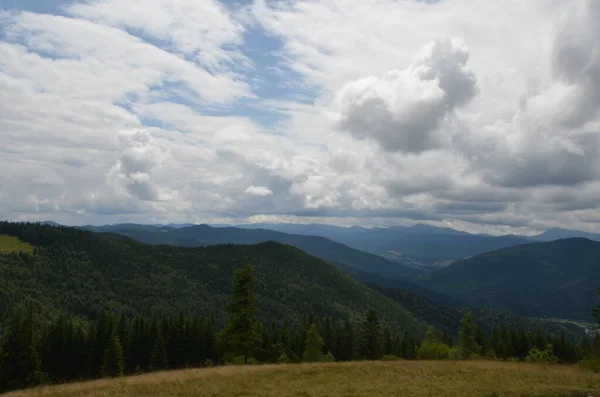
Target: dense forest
x=549 y=279
x=34 y=352
x=81 y=273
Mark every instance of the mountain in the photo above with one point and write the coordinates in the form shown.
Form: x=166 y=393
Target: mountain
x=204 y=235
x=82 y=273
x=420 y=244
x=549 y=279
x=558 y=234
x=447 y=319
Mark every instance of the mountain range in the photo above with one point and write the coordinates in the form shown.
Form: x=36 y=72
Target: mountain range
x=83 y=273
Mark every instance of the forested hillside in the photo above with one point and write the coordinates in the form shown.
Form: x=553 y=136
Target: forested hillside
x=203 y=235
x=553 y=279
x=82 y=273
x=447 y=319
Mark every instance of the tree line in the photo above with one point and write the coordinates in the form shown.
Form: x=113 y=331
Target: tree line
x=71 y=350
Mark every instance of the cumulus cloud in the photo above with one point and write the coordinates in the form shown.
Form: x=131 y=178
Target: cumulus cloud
x=258 y=191
x=139 y=156
x=554 y=138
x=404 y=109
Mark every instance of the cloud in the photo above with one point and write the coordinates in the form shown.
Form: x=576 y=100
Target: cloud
x=553 y=138
x=258 y=191
x=125 y=63
x=203 y=30
x=138 y=157
x=404 y=109
x=454 y=112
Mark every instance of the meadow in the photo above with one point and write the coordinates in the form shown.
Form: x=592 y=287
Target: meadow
x=364 y=379
x=13 y=244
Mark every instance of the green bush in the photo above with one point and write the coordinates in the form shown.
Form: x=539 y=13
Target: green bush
x=328 y=358
x=252 y=361
x=239 y=360
x=590 y=364
x=433 y=350
x=283 y=359
x=542 y=356
x=390 y=357
x=208 y=362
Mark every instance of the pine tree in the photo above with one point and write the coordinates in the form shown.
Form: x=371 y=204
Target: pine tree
x=124 y=333
x=370 y=337
x=241 y=335
x=388 y=343
x=313 y=350
x=113 y=364
x=159 y=359
x=20 y=365
x=467 y=346
x=327 y=335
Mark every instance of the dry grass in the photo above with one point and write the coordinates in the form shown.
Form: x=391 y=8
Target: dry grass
x=481 y=379
x=13 y=244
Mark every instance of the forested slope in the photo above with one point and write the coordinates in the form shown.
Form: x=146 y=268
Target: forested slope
x=551 y=279
x=81 y=273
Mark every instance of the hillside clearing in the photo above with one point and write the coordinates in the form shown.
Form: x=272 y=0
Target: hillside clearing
x=364 y=379
x=13 y=244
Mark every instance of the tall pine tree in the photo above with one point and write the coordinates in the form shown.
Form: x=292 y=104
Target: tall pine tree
x=113 y=363
x=467 y=345
x=370 y=337
x=313 y=350
x=241 y=335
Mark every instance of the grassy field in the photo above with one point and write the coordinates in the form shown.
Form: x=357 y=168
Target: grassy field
x=13 y=244
x=404 y=378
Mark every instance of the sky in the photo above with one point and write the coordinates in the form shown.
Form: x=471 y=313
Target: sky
x=479 y=115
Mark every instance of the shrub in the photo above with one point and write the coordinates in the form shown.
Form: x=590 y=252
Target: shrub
x=390 y=357
x=283 y=359
x=208 y=362
x=542 y=356
x=433 y=350
x=328 y=358
x=239 y=360
x=251 y=361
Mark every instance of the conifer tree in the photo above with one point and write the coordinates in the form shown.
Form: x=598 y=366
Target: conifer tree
x=327 y=335
x=159 y=359
x=241 y=335
x=467 y=346
x=313 y=350
x=20 y=365
x=113 y=364
x=370 y=337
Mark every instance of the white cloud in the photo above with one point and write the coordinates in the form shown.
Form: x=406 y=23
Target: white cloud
x=203 y=30
x=258 y=191
x=404 y=109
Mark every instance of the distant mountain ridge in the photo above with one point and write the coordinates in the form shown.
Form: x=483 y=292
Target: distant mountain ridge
x=420 y=243
x=557 y=234
x=204 y=235
x=545 y=279
x=412 y=246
